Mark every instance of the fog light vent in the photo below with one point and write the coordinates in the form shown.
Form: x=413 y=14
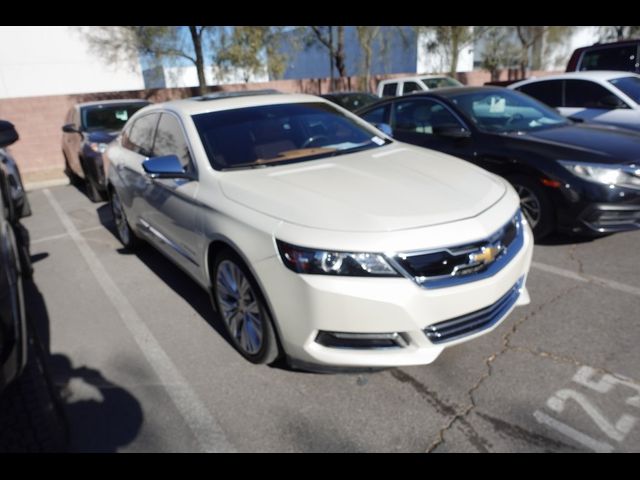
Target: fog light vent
x=362 y=340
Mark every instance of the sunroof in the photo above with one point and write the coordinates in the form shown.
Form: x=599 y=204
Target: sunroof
x=246 y=93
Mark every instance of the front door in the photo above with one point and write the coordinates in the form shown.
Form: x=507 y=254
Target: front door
x=172 y=204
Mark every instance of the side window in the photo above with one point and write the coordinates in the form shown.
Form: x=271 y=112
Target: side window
x=421 y=116
x=585 y=94
x=409 y=87
x=389 y=90
x=549 y=92
x=377 y=115
x=140 y=137
x=170 y=140
x=615 y=58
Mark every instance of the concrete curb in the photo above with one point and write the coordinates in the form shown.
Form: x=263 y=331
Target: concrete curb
x=29 y=186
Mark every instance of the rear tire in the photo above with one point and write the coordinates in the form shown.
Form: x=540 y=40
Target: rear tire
x=91 y=184
x=243 y=310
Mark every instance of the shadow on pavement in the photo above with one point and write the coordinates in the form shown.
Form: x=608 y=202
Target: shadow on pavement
x=563 y=239
x=102 y=416
x=96 y=414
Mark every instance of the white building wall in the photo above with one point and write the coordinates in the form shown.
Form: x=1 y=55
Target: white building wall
x=53 y=60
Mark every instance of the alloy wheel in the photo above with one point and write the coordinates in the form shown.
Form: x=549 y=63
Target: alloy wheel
x=240 y=307
x=530 y=205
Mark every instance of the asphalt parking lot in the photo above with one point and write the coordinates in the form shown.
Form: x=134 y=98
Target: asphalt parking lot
x=137 y=355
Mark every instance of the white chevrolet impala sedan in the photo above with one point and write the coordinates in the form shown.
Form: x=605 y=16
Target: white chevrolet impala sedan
x=320 y=239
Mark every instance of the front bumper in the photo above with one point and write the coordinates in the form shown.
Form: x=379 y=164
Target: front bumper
x=590 y=208
x=306 y=307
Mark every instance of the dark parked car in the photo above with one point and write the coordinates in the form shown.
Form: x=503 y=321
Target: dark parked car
x=15 y=202
x=624 y=55
x=576 y=178
x=351 y=100
x=13 y=328
x=88 y=129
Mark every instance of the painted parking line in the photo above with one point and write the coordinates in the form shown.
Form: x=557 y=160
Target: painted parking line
x=196 y=415
x=583 y=277
x=63 y=235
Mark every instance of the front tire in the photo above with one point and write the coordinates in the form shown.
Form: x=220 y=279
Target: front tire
x=126 y=235
x=243 y=310
x=535 y=204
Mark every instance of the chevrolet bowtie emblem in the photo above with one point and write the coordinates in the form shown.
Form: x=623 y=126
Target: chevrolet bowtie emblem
x=486 y=255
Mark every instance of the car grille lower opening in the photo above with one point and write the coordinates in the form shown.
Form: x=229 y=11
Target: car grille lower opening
x=362 y=340
x=474 y=322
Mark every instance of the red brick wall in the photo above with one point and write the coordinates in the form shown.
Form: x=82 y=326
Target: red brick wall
x=39 y=119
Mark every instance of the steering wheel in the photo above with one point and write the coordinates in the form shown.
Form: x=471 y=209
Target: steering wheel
x=515 y=118
x=313 y=139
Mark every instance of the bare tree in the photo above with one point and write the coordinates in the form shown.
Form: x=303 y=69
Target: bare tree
x=499 y=51
x=367 y=36
x=164 y=43
x=618 y=33
x=331 y=38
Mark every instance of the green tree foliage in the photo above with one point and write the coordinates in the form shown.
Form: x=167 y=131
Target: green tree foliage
x=165 y=43
x=251 y=50
x=451 y=40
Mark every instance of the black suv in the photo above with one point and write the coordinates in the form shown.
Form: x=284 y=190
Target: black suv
x=624 y=55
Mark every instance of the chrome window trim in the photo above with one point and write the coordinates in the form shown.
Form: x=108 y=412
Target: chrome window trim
x=444 y=281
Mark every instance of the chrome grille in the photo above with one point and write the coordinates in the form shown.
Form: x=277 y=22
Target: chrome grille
x=476 y=321
x=465 y=263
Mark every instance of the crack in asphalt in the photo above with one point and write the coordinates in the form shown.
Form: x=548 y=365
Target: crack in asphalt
x=506 y=346
x=574 y=258
x=459 y=416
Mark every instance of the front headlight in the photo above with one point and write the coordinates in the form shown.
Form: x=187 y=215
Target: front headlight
x=324 y=262
x=98 y=147
x=621 y=175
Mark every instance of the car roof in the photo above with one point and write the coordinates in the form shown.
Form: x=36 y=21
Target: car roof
x=332 y=94
x=112 y=102
x=449 y=91
x=601 y=75
x=215 y=103
x=414 y=77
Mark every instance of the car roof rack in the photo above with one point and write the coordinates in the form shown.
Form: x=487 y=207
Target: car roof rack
x=245 y=93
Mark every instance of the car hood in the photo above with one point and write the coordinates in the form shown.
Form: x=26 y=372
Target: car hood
x=380 y=190
x=604 y=144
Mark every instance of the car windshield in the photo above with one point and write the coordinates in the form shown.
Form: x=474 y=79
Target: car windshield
x=108 y=117
x=506 y=111
x=285 y=133
x=629 y=85
x=441 y=82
